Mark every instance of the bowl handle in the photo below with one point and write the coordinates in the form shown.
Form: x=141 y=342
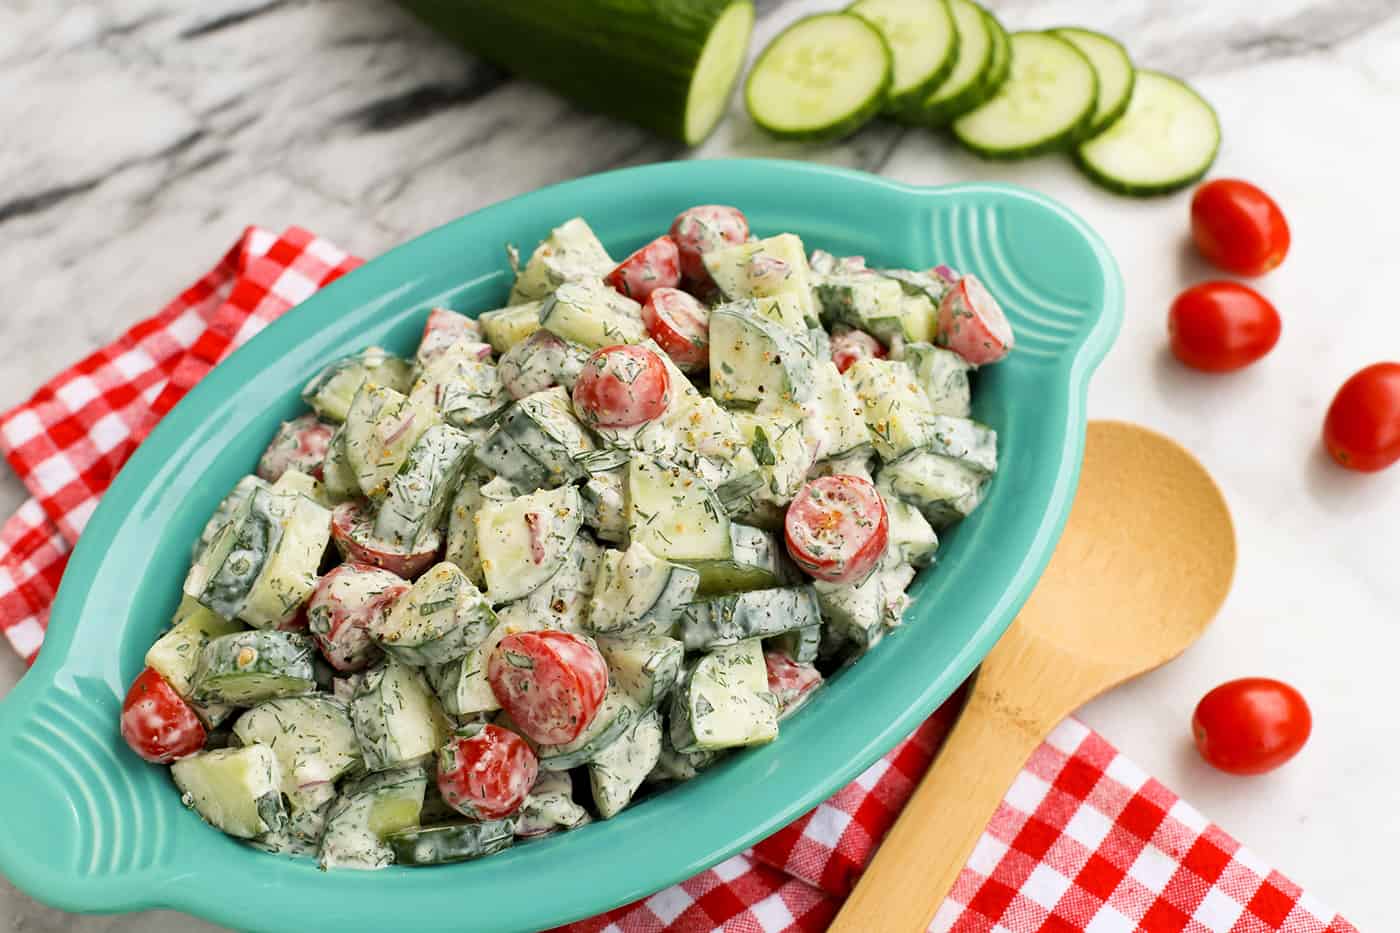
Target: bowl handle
x=80 y=814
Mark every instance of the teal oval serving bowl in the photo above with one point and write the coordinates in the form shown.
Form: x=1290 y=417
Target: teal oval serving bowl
x=87 y=826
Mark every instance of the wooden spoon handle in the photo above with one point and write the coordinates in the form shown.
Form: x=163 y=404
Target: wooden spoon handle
x=916 y=865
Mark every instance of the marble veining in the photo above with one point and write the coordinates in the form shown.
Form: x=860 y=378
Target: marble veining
x=140 y=136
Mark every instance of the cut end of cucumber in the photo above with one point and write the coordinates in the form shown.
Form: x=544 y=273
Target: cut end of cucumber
x=1166 y=140
x=821 y=78
x=1043 y=106
x=716 y=70
x=962 y=90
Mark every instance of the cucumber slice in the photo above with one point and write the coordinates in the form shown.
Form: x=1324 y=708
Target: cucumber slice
x=922 y=39
x=330 y=392
x=312 y=739
x=646 y=668
x=1115 y=70
x=440 y=619
x=175 y=655
x=396 y=717
x=248 y=667
x=674 y=514
x=1166 y=140
x=524 y=542
x=638 y=593
x=724 y=701
x=381 y=804
x=822 y=78
x=756 y=560
x=505 y=327
x=962 y=90
x=234 y=789
x=617 y=771
x=456 y=842
x=571 y=251
x=1043 y=106
x=728 y=620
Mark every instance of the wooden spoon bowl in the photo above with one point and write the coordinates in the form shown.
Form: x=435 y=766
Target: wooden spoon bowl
x=1144 y=564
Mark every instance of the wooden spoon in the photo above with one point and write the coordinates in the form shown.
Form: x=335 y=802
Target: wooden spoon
x=1144 y=564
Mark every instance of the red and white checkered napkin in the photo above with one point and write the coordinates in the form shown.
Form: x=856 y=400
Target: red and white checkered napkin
x=1083 y=841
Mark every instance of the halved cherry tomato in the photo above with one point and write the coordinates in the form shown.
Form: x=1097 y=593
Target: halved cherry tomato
x=342 y=607
x=1238 y=227
x=848 y=346
x=1251 y=725
x=656 y=265
x=157 y=722
x=486 y=776
x=702 y=228
x=971 y=323
x=790 y=682
x=837 y=528
x=680 y=324
x=299 y=444
x=1362 y=430
x=352 y=530
x=1222 y=326
x=549 y=682
x=622 y=386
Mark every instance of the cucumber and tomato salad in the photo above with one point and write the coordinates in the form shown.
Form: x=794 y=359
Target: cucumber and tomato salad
x=698 y=481
x=951 y=63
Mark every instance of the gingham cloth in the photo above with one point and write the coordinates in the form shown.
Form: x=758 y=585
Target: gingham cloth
x=1083 y=841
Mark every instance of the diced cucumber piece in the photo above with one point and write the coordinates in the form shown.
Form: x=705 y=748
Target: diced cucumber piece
x=461 y=527
x=964 y=439
x=673 y=513
x=962 y=90
x=833 y=421
x=673 y=766
x=1115 y=72
x=754 y=360
x=775 y=267
x=175 y=655
x=461 y=685
x=724 y=702
x=592 y=315
x=942 y=374
x=618 y=770
x=380 y=429
x=337 y=476
x=234 y=789
x=781 y=457
x=645 y=667
x=330 y=392
x=822 y=78
x=397 y=718
x=505 y=327
x=540 y=361
x=571 y=252
x=439 y=620
x=912 y=539
x=922 y=40
x=943 y=489
x=549 y=807
x=864 y=300
x=614 y=717
x=1166 y=140
x=248 y=667
x=524 y=542
x=730 y=619
x=563 y=601
x=312 y=739
x=857 y=610
x=466 y=390
x=231 y=505
x=302 y=834
x=1044 y=105
x=756 y=560
x=638 y=593
x=384 y=803
x=604 y=499
x=537 y=442
x=799 y=644
x=896 y=410
x=455 y=842
x=419 y=493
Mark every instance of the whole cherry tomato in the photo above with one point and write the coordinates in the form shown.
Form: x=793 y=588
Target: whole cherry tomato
x=1362 y=430
x=1221 y=326
x=1251 y=725
x=1238 y=227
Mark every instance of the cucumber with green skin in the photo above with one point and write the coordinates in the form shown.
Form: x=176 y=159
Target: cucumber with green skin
x=923 y=41
x=666 y=65
x=964 y=88
x=822 y=78
x=454 y=842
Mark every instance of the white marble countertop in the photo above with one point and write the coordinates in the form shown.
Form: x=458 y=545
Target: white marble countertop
x=142 y=135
